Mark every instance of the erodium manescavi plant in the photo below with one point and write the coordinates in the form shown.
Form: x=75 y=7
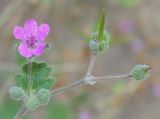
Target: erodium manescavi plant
x=33 y=83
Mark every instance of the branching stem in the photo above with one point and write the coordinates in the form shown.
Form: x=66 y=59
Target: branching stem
x=23 y=110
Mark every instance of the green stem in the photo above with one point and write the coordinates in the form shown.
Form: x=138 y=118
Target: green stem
x=30 y=76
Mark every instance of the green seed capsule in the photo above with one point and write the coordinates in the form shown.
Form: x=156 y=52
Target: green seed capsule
x=43 y=96
x=140 y=72
x=32 y=103
x=17 y=93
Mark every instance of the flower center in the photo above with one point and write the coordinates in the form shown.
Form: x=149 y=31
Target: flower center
x=31 y=42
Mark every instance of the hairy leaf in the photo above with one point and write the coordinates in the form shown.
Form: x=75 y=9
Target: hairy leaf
x=40 y=76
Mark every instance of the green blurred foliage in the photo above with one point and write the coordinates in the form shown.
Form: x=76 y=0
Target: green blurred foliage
x=9 y=108
x=80 y=100
x=127 y=3
x=47 y=2
x=58 y=110
x=118 y=87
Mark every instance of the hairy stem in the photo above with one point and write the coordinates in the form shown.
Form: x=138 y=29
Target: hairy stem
x=21 y=112
x=67 y=87
x=29 y=76
x=81 y=82
x=115 y=77
x=91 y=64
x=76 y=84
x=70 y=86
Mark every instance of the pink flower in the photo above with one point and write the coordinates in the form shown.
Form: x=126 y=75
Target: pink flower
x=137 y=45
x=84 y=115
x=31 y=37
x=125 y=26
x=156 y=90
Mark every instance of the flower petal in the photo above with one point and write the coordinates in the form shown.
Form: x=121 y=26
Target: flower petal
x=39 y=49
x=30 y=27
x=43 y=31
x=19 y=33
x=24 y=50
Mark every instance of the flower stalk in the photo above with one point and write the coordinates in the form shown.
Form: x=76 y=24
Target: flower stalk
x=30 y=76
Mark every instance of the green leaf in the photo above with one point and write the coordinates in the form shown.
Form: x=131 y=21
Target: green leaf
x=40 y=79
x=101 y=26
x=21 y=81
x=47 y=84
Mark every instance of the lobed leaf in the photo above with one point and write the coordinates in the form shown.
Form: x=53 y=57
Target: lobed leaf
x=21 y=81
x=40 y=77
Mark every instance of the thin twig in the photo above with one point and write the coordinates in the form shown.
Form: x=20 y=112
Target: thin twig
x=68 y=87
x=81 y=82
x=115 y=77
x=91 y=64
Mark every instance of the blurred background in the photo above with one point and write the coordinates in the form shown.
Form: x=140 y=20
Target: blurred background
x=135 y=29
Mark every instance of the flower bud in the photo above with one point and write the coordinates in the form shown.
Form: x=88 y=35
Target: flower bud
x=32 y=103
x=91 y=80
x=100 y=39
x=140 y=72
x=43 y=96
x=17 y=93
x=97 y=45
